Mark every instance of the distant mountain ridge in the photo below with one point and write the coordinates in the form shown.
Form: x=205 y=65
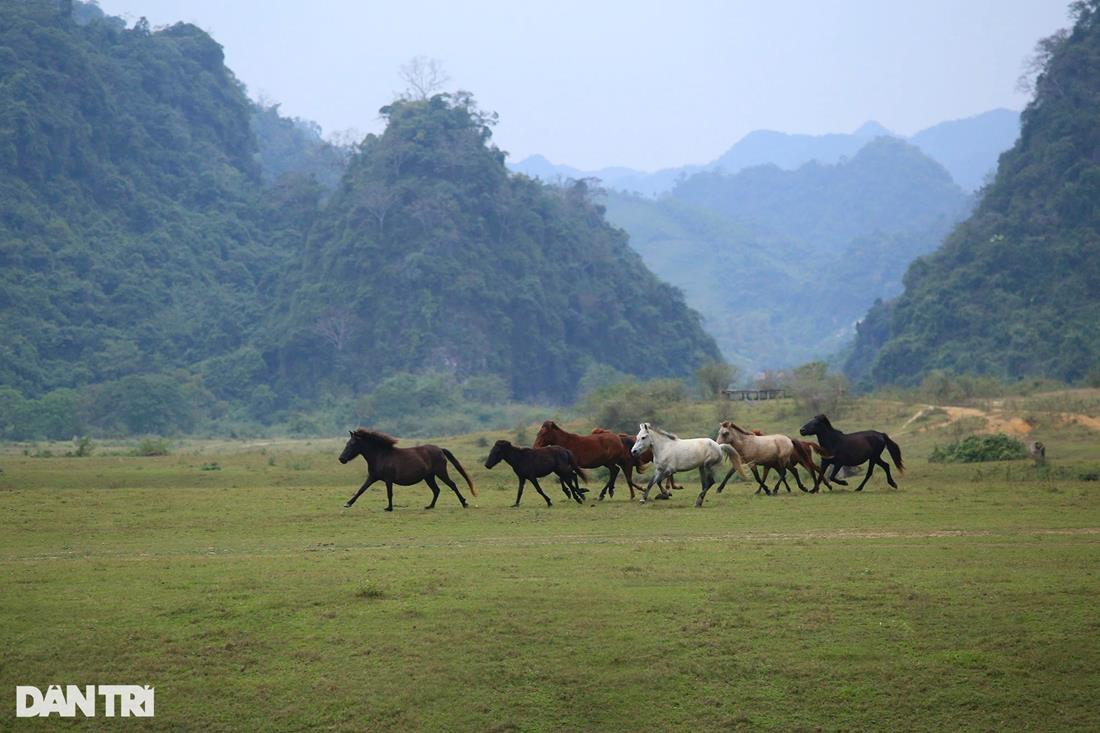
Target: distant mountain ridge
x=782 y=263
x=1014 y=291
x=968 y=148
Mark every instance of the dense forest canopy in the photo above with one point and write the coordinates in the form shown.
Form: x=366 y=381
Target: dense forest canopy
x=1015 y=289
x=172 y=254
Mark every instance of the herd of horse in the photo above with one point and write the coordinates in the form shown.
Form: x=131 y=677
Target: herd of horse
x=567 y=455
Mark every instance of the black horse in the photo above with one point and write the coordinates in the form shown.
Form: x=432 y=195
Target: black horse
x=853 y=449
x=530 y=464
x=402 y=466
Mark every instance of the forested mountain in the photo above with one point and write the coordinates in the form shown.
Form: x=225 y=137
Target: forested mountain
x=967 y=148
x=159 y=267
x=129 y=242
x=782 y=263
x=1015 y=289
x=432 y=254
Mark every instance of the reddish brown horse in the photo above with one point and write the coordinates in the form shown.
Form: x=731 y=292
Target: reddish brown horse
x=597 y=450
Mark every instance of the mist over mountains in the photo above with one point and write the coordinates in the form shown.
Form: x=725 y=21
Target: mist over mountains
x=967 y=148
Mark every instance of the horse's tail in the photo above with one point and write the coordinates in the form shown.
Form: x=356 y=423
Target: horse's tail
x=802 y=454
x=452 y=459
x=735 y=458
x=818 y=449
x=895 y=452
x=577 y=468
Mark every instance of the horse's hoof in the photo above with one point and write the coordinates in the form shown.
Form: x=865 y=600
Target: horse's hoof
x=348 y=505
x=388 y=509
x=429 y=507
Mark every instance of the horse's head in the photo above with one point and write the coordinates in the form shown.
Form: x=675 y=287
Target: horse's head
x=546 y=435
x=815 y=425
x=353 y=448
x=642 y=440
x=497 y=453
x=725 y=433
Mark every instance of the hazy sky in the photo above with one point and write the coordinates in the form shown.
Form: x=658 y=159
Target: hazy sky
x=636 y=83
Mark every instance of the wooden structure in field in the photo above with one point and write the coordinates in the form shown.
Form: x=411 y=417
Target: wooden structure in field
x=752 y=395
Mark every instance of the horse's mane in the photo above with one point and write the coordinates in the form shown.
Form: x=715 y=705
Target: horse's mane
x=374 y=436
x=738 y=428
x=665 y=433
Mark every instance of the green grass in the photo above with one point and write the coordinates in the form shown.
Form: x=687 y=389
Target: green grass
x=253 y=601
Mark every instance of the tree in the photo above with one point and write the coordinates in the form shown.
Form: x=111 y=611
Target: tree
x=715 y=376
x=423 y=78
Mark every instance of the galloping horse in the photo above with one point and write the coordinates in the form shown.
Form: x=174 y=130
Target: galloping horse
x=771 y=451
x=530 y=464
x=592 y=451
x=853 y=449
x=671 y=454
x=402 y=466
x=640 y=462
x=779 y=452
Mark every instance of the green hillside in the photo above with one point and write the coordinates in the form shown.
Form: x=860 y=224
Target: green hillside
x=432 y=255
x=168 y=248
x=1015 y=289
x=782 y=263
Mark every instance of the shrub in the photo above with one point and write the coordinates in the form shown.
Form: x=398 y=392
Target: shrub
x=715 y=376
x=980 y=448
x=152 y=447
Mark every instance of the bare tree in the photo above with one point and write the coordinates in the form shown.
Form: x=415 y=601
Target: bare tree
x=334 y=326
x=378 y=200
x=423 y=77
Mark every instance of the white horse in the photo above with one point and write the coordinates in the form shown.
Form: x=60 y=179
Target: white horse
x=671 y=454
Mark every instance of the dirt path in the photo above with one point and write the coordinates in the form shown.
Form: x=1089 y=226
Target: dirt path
x=995 y=421
x=843 y=534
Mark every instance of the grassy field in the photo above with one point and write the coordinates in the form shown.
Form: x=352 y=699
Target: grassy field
x=228 y=576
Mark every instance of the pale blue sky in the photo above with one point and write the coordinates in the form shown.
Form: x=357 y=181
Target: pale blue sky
x=638 y=83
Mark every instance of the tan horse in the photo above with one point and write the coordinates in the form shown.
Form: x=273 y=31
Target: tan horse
x=771 y=451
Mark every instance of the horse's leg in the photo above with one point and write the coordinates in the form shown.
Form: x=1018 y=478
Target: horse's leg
x=870 y=470
x=389 y=496
x=657 y=477
x=430 y=481
x=886 y=467
x=566 y=488
x=535 y=483
x=366 y=484
x=519 y=490
x=798 y=480
x=454 y=487
x=628 y=471
x=574 y=480
x=783 y=478
x=609 y=487
x=762 y=485
x=707 y=479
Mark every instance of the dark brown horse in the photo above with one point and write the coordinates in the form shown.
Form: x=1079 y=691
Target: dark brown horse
x=597 y=450
x=853 y=449
x=531 y=464
x=402 y=466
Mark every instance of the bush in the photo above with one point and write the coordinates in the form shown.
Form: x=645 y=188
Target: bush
x=152 y=447
x=980 y=448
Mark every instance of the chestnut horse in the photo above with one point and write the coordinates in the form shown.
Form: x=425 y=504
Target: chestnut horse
x=402 y=466
x=597 y=450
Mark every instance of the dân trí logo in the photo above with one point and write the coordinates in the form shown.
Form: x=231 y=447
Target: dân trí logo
x=124 y=701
